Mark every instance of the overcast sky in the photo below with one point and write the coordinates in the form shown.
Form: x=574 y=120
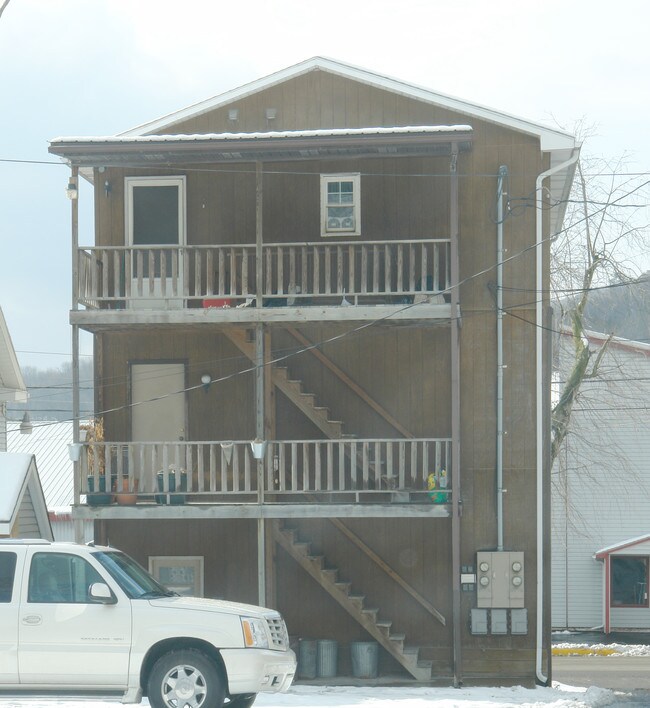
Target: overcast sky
x=98 y=67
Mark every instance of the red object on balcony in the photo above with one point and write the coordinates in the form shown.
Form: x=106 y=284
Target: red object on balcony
x=217 y=302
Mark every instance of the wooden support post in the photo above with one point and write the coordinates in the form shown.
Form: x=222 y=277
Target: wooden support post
x=259 y=265
x=455 y=419
x=74 y=213
x=259 y=382
x=269 y=434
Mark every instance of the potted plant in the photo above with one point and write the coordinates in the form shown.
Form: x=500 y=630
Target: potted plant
x=96 y=464
x=176 y=481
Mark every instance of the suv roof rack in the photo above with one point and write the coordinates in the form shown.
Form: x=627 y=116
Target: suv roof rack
x=25 y=541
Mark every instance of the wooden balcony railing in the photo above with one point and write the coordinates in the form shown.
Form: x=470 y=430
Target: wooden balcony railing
x=293 y=273
x=216 y=471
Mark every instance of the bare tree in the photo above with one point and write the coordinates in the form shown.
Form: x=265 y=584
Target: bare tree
x=596 y=249
x=3 y=6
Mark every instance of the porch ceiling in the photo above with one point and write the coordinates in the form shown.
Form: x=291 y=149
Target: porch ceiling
x=262 y=147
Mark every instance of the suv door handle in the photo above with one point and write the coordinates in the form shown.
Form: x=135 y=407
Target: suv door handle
x=32 y=619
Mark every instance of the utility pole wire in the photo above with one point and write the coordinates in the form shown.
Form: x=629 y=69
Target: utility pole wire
x=3 y=6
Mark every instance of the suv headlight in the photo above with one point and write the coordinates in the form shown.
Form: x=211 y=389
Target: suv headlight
x=255 y=634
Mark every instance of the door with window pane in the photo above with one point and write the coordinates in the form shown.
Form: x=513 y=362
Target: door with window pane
x=155 y=225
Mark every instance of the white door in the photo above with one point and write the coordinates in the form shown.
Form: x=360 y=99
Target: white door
x=157 y=416
x=155 y=227
x=66 y=639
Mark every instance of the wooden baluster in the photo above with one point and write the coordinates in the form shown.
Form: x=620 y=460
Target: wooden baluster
x=316 y=252
x=294 y=468
x=317 y=464
x=328 y=270
x=375 y=269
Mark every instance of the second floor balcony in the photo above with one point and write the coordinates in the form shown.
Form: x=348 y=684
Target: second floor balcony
x=395 y=273
x=288 y=477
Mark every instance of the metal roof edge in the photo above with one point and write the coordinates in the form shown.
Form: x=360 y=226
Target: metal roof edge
x=550 y=138
x=634 y=541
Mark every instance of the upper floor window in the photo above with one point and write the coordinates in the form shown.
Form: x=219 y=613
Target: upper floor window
x=155 y=211
x=340 y=205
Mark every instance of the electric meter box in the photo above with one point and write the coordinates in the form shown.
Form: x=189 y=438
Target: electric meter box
x=500 y=579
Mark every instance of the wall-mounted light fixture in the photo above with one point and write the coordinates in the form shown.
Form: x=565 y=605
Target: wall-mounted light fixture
x=71 y=190
x=107 y=188
x=206 y=380
x=233 y=114
x=258 y=447
x=26 y=426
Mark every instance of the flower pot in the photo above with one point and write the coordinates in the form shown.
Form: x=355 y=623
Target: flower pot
x=172 y=478
x=101 y=497
x=126 y=497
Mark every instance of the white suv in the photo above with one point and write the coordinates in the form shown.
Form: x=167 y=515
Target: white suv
x=90 y=619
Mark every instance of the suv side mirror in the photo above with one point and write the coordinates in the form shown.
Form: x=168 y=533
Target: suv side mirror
x=100 y=592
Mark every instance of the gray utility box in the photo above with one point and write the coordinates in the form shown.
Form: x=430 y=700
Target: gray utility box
x=500 y=579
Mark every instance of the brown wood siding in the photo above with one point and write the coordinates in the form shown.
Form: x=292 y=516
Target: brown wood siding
x=416 y=549
x=406 y=369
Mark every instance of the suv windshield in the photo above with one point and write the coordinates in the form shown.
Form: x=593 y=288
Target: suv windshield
x=130 y=576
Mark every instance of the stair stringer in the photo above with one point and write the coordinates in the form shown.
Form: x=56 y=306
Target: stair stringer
x=353 y=605
x=292 y=389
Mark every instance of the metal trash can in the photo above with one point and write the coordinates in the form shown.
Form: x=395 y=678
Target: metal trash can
x=365 y=659
x=326 y=658
x=307 y=650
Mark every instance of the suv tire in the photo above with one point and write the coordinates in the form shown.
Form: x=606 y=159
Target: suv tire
x=185 y=679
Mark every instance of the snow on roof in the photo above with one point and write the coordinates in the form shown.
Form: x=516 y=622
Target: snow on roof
x=49 y=443
x=621 y=545
x=270 y=135
x=550 y=138
x=13 y=472
x=598 y=338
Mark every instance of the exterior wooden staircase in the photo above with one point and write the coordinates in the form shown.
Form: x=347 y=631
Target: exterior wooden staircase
x=341 y=591
x=293 y=390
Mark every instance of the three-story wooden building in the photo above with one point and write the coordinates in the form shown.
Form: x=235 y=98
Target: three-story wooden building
x=304 y=372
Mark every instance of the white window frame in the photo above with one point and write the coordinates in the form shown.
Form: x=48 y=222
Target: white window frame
x=156 y=563
x=162 y=181
x=325 y=180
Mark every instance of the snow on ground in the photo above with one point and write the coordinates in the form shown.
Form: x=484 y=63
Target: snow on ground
x=569 y=649
x=560 y=696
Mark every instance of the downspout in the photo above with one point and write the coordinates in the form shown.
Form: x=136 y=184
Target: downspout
x=503 y=173
x=539 y=407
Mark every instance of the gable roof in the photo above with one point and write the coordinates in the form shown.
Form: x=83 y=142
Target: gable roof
x=18 y=475
x=551 y=139
x=12 y=386
x=608 y=550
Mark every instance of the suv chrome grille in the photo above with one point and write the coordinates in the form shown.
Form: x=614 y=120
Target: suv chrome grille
x=278 y=632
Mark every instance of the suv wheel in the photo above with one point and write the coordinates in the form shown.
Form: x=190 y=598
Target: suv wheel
x=185 y=679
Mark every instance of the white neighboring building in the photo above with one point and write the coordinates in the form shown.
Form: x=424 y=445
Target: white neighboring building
x=601 y=496
x=49 y=442
x=23 y=513
x=12 y=386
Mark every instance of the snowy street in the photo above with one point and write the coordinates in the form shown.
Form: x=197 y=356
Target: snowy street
x=344 y=697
